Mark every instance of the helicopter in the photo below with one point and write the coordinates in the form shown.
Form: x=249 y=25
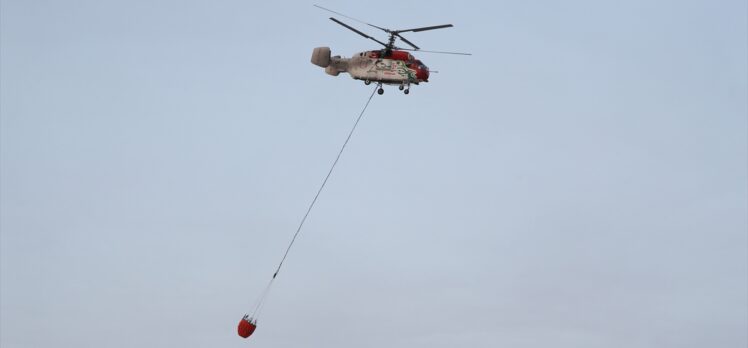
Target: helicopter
x=390 y=65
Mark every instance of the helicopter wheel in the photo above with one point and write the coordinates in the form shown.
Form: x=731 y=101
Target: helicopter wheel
x=380 y=91
x=406 y=91
x=367 y=82
x=401 y=87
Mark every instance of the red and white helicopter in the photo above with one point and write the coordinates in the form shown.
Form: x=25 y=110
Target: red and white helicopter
x=390 y=65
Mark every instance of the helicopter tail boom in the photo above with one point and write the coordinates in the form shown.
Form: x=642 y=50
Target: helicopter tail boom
x=333 y=65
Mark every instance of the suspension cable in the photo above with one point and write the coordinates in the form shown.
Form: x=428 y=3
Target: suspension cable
x=260 y=303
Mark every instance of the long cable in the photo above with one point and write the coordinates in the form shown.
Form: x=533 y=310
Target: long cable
x=324 y=182
x=260 y=302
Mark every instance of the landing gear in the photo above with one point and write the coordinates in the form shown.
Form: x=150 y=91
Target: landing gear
x=367 y=82
x=380 y=91
x=401 y=87
x=406 y=91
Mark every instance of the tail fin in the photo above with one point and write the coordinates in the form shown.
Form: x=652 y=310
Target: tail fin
x=321 y=56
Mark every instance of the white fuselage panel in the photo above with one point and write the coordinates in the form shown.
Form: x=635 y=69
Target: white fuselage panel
x=381 y=70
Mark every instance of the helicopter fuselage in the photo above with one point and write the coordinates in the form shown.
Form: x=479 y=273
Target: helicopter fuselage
x=392 y=68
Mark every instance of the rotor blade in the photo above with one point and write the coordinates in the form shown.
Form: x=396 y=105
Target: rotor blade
x=441 y=52
x=351 y=18
x=407 y=42
x=356 y=31
x=425 y=28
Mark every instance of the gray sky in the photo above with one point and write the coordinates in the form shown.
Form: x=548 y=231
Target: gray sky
x=579 y=182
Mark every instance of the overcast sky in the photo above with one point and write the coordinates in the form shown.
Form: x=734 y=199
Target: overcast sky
x=580 y=181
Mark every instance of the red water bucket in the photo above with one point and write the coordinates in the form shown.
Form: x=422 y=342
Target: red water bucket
x=246 y=327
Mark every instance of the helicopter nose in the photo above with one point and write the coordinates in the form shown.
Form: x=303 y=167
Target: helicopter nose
x=422 y=74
